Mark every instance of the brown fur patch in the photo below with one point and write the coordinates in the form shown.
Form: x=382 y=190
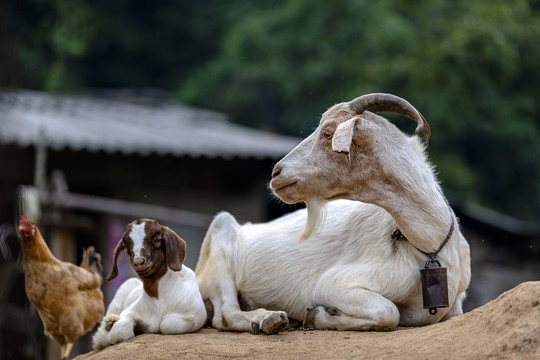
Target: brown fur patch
x=139 y=327
x=151 y=282
x=209 y=312
x=224 y=321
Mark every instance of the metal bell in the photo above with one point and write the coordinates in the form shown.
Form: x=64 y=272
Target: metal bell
x=434 y=286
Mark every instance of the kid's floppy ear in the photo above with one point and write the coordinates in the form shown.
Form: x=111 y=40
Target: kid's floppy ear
x=119 y=248
x=176 y=249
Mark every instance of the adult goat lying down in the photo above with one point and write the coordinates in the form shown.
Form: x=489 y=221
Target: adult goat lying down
x=349 y=268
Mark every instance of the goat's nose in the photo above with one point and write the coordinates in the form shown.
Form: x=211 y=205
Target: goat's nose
x=138 y=261
x=276 y=171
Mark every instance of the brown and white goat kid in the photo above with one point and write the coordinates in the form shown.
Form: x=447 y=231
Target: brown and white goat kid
x=347 y=267
x=165 y=300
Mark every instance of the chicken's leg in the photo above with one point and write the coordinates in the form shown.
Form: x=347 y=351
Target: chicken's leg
x=66 y=350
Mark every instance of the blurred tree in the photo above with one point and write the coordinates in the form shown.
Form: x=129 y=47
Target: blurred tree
x=469 y=66
x=46 y=36
x=141 y=43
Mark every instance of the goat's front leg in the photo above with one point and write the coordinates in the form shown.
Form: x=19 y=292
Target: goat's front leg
x=122 y=329
x=344 y=304
x=377 y=314
x=125 y=296
x=216 y=273
x=179 y=324
x=101 y=337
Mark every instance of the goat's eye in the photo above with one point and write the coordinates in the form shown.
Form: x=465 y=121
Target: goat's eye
x=157 y=243
x=327 y=134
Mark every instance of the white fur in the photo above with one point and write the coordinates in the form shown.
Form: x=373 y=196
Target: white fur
x=137 y=235
x=315 y=208
x=179 y=309
x=349 y=272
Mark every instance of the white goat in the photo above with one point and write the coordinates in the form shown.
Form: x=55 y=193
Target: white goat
x=351 y=273
x=166 y=301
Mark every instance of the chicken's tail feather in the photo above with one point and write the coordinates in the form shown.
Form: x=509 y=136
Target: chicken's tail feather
x=91 y=261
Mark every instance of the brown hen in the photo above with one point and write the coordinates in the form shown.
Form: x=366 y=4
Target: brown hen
x=67 y=297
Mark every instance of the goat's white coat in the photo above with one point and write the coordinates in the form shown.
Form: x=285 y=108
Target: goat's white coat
x=179 y=308
x=349 y=272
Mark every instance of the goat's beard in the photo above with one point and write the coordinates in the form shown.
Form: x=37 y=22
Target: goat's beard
x=315 y=217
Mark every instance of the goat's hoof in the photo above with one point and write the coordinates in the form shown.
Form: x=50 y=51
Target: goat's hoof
x=333 y=311
x=274 y=323
x=254 y=328
x=293 y=325
x=110 y=321
x=309 y=318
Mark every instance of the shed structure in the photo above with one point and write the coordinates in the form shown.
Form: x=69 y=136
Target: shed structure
x=93 y=162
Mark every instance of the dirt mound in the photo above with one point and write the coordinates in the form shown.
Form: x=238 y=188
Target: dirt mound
x=505 y=328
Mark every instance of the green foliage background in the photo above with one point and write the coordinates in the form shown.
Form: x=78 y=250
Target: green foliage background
x=471 y=67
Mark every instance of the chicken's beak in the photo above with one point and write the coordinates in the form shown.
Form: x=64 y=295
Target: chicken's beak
x=24 y=231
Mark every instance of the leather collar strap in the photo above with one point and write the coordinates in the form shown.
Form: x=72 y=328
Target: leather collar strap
x=433 y=255
x=397 y=235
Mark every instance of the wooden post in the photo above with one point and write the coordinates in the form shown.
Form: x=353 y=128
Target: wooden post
x=63 y=244
x=40 y=165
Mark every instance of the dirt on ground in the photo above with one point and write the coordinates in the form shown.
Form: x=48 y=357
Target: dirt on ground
x=505 y=328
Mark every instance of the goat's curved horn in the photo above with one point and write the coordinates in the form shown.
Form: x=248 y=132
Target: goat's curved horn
x=380 y=102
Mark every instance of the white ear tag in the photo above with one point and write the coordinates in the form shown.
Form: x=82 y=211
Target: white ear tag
x=341 y=142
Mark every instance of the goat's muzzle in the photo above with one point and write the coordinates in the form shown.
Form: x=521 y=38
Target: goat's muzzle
x=140 y=264
x=276 y=171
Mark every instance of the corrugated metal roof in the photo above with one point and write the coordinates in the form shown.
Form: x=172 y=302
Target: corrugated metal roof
x=112 y=124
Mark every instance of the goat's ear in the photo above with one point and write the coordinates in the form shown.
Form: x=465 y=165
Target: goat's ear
x=342 y=140
x=346 y=131
x=176 y=249
x=119 y=248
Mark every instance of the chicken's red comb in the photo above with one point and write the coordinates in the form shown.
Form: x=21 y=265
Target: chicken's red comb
x=23 y=219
